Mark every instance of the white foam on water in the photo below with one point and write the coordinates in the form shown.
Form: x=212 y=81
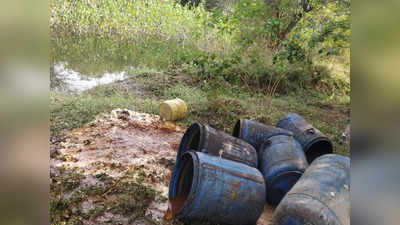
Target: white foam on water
x=76 y=82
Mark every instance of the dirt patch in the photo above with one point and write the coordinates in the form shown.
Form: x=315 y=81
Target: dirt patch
x=124 y=140
x=266 y=216
x=123 y=145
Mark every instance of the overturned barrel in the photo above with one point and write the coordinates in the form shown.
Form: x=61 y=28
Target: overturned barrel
x=256 y=133
x=213 y=189
x=282 y=162
x=206 y=139
x=172 y=110
x=320 y=197
x=209 y=140
x=313 y=141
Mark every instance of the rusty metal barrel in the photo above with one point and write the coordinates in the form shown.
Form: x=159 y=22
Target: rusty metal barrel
x=217 y=190
x=313 y=141
x=256 y=133
x=320 y=197
x=209 y=140
x=282 y=162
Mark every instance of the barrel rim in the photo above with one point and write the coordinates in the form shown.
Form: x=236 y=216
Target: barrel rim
x=188 y=136
x=182 y=149
x=193 y=190
x=238 y=128
x=168 y=110
x=296 y=173
x=204 y=138
x=325 y=151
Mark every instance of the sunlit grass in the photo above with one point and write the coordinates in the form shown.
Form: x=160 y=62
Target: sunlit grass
x=98 y=36
x=136 y=21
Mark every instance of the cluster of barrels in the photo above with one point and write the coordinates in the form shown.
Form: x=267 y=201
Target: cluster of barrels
x=227 y=179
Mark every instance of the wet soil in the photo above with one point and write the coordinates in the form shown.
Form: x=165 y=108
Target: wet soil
x=125 y=145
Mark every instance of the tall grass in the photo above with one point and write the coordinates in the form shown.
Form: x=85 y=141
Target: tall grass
x=225 y=46
x=97 y=36
x=138 y=21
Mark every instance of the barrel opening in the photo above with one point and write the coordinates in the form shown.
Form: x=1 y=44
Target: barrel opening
x=280 y=185
x=195 y=140
x=318 y=148
x=191 y=139
x=184 y=184
x=236 y=129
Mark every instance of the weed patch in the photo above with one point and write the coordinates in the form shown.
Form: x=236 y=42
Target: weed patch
x=242 y=46
x=127 y=198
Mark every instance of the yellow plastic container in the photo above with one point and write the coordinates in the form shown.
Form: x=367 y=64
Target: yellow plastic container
x=172 y=110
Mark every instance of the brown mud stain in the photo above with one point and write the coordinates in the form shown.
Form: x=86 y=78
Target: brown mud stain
x=126 y=145
x=176 y=204
x=266 y=216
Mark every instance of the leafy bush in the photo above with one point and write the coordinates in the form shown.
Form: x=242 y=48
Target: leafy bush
x=278 y=47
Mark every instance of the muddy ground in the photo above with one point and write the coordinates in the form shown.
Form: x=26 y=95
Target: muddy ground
x=116 y=170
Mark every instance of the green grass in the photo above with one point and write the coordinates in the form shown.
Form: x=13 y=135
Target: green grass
x=104 y=36
x=217 y=105
x=152 y=33
x=128 y=20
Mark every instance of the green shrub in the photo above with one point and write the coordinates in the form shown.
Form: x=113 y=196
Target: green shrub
x=243 y=45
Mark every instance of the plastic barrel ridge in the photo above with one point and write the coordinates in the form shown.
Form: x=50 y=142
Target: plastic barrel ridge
x=313 y=141
x=282 y=162
x=320 y=197
x=214 y=189
x=172 y=110
x=256 y=133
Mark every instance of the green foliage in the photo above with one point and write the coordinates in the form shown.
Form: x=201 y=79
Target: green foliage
x=239 y=55
x=247 y=43
x=124 y=19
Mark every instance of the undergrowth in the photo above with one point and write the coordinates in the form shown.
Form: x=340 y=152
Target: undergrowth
x=218 y=105
x=240 y=45
x=68 y=195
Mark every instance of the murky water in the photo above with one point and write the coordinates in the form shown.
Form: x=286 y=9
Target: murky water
x=67 y=80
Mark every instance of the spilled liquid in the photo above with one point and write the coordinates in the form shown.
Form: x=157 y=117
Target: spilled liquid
x=177 y=203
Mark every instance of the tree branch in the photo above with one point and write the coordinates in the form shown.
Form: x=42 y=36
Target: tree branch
x=306 y=7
